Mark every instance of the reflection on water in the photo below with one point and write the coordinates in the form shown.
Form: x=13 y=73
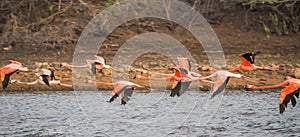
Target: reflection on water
x=147 y=114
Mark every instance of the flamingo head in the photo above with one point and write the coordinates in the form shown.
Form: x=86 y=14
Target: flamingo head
x=289 y=77
x=15 y=62
x=63 y=64
x=23 y=69
x=247 y=87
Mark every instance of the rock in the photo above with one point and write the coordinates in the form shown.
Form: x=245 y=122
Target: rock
x=204 y=67
x=106 y=72
x=42 y=65
x=145 y=66
x=297 y=72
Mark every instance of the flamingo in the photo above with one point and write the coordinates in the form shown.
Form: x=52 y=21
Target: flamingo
x=182 y=77
x=46 y=77
x=288 y=94
x=8 y=70
x=248 y=63
x=125 y=88
x=221 y=80
x=98 y=63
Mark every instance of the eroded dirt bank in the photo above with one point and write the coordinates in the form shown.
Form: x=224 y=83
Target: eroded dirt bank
x=234 y=37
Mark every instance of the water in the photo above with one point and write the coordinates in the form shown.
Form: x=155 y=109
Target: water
x=147 y=114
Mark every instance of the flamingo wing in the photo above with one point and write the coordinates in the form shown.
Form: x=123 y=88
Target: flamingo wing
x=219 y=84
x=249 y=57
x=288 y=94
x=6 y=79
x=127 y=94
x=297 y=93
x=184 y=63
x=52 y=75
x=45 y=79
x=93 y=68
x=116 y=92
x=184 y=87
x=101 y=59
x=175 y=88
x=180 y=88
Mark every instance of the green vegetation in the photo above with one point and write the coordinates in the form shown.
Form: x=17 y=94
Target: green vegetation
x=278 y=16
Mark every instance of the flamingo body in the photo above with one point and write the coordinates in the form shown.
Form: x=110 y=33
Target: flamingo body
x=8 y=70
x=288 y=94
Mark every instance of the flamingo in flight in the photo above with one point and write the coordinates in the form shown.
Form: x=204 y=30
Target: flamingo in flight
x=123 y=88
x=182 y=77
x=98 y=63
x=46 y=77
x=288 y=94
x=8 y=70
x=221 y=80
x=248 y=63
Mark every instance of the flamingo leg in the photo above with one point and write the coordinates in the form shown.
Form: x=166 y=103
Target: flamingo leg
x=269 y=68
x=159 y=79
x=27 y=83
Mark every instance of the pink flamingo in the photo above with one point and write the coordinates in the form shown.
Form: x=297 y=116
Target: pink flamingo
x=98 y=63
x=125 y=88
x=182 y=77
x=46 y=77
x=288 y=94
x=8 y=70
x=248 y=63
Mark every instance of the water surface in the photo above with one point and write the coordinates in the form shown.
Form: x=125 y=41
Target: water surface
x=147 y=114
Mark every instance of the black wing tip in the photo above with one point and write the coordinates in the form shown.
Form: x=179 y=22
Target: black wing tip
x=123 y=102
x=281 y=108
x=46 y=81
x=213 y=95
x=172 y=94
x=4 y=86
x=93 y=68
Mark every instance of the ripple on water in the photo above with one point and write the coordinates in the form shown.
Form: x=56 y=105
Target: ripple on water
x=88 y=114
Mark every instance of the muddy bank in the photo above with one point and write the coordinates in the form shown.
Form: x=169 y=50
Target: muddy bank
x=275 y=51
x=234 y=37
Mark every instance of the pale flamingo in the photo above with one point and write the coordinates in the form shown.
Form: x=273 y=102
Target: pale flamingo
x=98 y=63
x=46 y=77
x=221 y=80
x=8 y=70
x=125 y=88
x=288 y=94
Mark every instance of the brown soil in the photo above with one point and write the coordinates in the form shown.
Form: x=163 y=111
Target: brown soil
x=234 y=37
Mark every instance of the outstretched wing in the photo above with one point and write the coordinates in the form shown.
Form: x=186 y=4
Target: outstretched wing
x=219 y=84
x=93 y=68
x=287 y=95
x=45 y=79
x=52 y=75
x=116 y=92
x=249 y=57
x=101 y=59
x=6 y=79
x=184 y=87
x=127 y=94
x=179 y=88
x=184 y=63
x=175 y=88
